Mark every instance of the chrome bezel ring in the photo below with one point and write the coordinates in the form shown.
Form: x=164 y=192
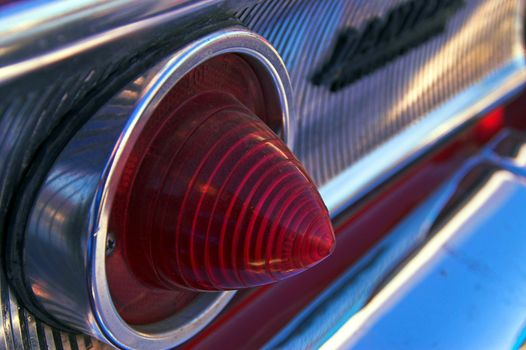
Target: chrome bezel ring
x=234 y=40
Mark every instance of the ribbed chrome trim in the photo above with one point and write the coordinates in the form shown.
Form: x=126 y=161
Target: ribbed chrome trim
x=351 y=139
x=405 y=147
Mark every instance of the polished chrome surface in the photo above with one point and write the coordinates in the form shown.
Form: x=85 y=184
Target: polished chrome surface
x=509 y=150
x=465 y=286
x=21 y=330
x=353 y=139
x=67 y=231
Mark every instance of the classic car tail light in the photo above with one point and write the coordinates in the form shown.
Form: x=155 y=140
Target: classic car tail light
x=180 y=183
x=210 y=198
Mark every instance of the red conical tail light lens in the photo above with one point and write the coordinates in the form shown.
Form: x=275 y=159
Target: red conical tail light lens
x=211 y=198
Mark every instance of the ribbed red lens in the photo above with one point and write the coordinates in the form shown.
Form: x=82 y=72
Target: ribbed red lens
x=211 y=198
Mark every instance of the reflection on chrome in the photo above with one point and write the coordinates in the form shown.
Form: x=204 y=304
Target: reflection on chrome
x=405 y=147
x=465 y=287
x=433 y=262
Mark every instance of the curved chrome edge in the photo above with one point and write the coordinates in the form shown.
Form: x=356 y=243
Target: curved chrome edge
x=232 y=40
x=396 y=153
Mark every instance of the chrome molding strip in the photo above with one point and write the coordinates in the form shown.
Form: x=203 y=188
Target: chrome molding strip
x=465 y=288
x=343 y=316
x=399 y=151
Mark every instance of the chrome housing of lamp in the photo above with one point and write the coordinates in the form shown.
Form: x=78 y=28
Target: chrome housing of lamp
x=65 y=244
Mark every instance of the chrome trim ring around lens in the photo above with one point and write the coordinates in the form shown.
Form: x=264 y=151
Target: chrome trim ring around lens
x=101 y=153
x=228 y=41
